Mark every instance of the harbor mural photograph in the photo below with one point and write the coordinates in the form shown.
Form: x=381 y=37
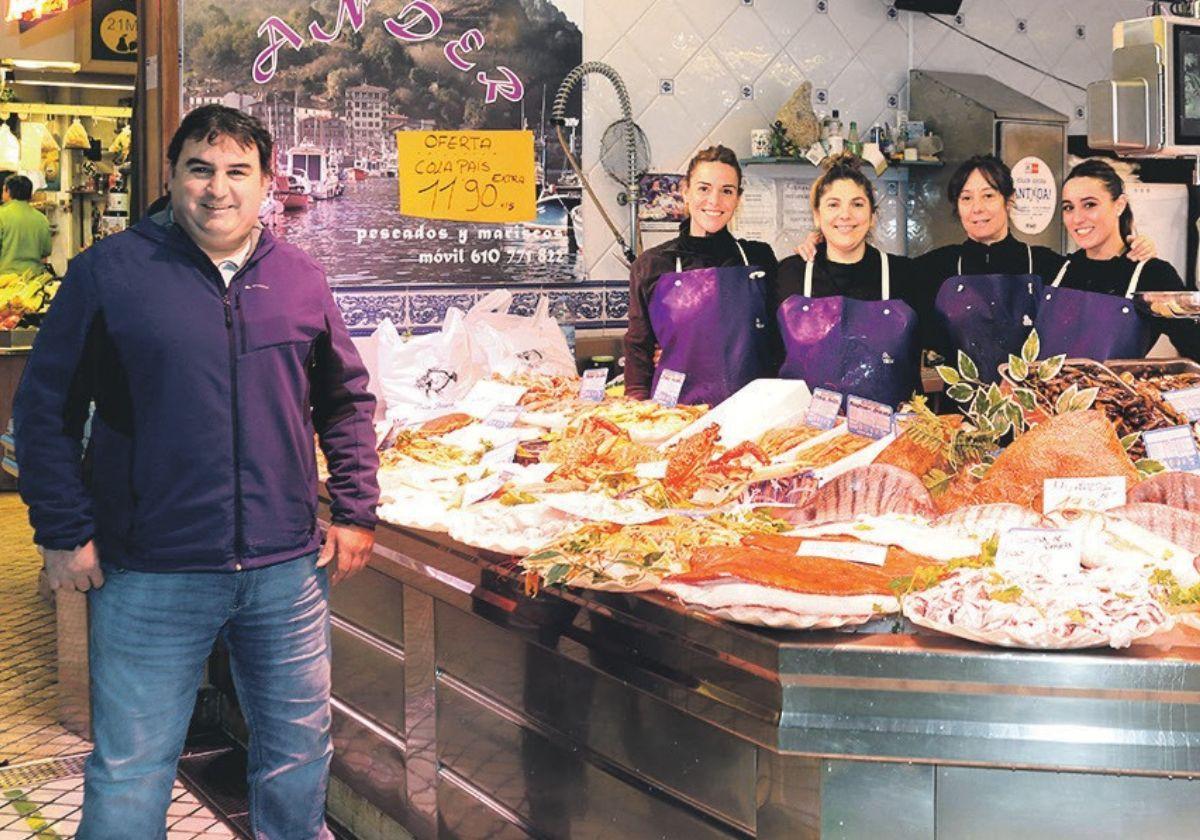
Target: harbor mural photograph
x=337 y=83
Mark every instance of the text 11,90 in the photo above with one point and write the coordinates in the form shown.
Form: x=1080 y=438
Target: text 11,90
x=443 y=193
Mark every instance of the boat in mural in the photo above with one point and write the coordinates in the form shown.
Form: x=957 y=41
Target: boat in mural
x=292 y=193
x=312 y=167
x=556 y=206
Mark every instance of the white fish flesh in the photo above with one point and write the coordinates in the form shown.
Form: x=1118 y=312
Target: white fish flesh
x=1181 y=527
x=911 y=533
x=981 y=522
x=1109 y=541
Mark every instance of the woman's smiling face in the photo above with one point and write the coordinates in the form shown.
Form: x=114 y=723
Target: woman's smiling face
x=712 y=194
x=844 y=215
x=1090 y=214
x=982 y=210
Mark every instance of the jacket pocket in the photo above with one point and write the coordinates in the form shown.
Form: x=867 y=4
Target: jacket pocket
x=270 y=322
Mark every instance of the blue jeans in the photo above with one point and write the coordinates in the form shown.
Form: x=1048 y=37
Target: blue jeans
x=150 y=634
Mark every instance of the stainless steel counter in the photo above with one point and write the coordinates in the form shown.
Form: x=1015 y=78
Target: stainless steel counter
x=465 y=709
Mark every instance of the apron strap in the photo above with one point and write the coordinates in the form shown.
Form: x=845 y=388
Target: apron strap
x=1029 y=254
x=958 y=271
x=678 y=265
x=808 y=277
x=885 y=276
x=1137 y=272
x=1062 y=272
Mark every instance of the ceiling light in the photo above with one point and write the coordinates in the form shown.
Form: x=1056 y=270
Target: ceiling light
x=91 y=85
x=37 y=64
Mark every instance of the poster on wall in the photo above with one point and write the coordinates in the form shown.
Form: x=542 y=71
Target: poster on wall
x=335 y=80
x=114 y=30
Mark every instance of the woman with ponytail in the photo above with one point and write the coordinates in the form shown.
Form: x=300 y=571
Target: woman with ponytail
x=1088 y=311
x=850 y=315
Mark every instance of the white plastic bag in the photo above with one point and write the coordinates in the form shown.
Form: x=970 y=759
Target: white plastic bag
x=515 y=344
x=426 y=371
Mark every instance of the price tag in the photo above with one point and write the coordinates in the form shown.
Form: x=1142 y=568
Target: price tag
x=502 y=454
x=481 y=489
x=502 y=416
x=467 y=176
x=1173 y=447
x=591 y=386
x=1050 y=551
x=1186 y=401
x=868 y=418
x=485 y=395
x=670 y=384
x=872 y=555
x=1083 y=493
x=823 y=410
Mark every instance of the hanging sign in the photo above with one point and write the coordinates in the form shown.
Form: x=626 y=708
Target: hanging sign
x=467 y=176
x=114 y=30
x=1035 y=201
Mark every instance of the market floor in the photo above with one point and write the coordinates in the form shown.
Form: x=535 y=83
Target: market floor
x=41 y=763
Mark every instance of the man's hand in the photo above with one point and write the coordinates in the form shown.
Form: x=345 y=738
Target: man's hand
x=77 y=569
x=349 y=547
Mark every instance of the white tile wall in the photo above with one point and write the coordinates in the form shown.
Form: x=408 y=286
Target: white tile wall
x=853 y=49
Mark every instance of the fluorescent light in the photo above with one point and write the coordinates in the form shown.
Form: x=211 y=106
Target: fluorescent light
x=36 y=64
x=91 y=85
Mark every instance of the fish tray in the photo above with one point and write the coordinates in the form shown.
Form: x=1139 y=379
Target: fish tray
x=1151 y=368
x=1173 y=305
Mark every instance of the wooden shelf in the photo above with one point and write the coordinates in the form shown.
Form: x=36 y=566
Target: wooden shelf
x=45 y=110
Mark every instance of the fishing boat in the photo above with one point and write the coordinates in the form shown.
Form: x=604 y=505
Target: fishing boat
x=311 y=165
x=555 y=206
x=290 y=192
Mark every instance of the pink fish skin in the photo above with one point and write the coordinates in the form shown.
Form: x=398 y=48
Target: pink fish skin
x=1180 y=526
x=991 y=518
x=872 y=490
x=1177 y=489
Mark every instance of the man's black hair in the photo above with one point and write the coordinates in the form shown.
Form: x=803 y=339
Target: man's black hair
x=212 y=122
x=19 y=187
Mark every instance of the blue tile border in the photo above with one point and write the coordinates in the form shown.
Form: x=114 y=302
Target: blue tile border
x=421 y=307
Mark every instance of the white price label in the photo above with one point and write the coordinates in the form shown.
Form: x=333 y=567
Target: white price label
x=1173 y=447
x=486 y=395
x=1083 y=493
x=479 y=490
x=868 y=418
x=670 y=385
x=1186 y=401
x=502 y=416
x=823 y=409
x=502 y=454
x=1050 y=551
x=872 y=555
x=591 y=386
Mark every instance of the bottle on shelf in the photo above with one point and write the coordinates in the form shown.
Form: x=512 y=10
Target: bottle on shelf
x=853 y=144
x=831 y=133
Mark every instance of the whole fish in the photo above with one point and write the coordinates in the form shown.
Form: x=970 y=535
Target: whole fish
x=1110 y=541
x=1177 y=489
x=1181 y=527
x=871 y=490
x=981 y=522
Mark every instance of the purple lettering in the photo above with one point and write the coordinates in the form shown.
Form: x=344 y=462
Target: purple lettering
x=354 y=9
x=509 y=87
x=278 y=34
x=471 y=41
x=402 y=28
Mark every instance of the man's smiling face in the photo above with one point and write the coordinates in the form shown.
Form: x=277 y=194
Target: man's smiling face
x=216 y=191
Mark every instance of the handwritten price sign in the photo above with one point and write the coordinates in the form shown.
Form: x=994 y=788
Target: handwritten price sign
x=467 y=176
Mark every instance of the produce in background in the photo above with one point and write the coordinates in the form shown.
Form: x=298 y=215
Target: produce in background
x=25 y=298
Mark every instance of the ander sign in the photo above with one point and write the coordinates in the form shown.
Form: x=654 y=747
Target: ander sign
x=1036 y=198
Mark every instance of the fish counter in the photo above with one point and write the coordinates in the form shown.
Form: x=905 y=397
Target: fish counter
x=465 y=708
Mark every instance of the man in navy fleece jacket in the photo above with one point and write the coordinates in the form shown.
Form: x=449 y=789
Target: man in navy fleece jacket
x=212 y=352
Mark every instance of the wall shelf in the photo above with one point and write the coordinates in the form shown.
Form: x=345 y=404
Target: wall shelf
x=41 y=109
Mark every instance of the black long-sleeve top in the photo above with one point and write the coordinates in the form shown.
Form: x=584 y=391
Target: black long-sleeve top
x=1111 y=277
x=716 y=251
x=861 y=280
x=1008 y=256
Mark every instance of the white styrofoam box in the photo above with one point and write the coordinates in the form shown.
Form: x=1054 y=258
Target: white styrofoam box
x=1160 y=212
x=758 y=406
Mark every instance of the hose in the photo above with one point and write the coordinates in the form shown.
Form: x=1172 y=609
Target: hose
x=558 y=118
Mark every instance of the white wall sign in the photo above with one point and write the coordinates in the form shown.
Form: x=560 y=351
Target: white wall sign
x=1036 y=198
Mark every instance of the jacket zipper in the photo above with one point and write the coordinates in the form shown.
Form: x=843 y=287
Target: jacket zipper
x=237 y=460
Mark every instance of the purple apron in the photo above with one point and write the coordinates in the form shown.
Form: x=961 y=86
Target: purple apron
x=1092 y=325
x=867 y=348
x=712 y=326
x=988 y=316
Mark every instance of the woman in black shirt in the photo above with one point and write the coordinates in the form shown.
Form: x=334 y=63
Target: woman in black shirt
x=850 y=317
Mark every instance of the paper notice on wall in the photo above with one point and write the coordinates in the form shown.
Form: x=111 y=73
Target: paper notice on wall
x=758 y=214
x=794 y=205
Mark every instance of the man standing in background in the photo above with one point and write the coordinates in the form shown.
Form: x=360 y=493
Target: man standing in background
x=24 y=231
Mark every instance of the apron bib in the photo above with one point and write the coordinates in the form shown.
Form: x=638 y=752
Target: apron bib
x=988 y=316
x=867 y=348
x=711 y=324
x=1091 y=325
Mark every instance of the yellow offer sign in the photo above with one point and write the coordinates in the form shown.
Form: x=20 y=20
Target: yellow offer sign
x=467 y=176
